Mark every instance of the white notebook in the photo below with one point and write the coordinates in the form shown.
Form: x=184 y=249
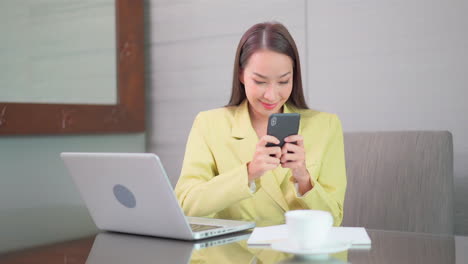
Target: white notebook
x=264 y=236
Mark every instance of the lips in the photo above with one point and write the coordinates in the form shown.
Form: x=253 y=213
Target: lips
x=269 y=106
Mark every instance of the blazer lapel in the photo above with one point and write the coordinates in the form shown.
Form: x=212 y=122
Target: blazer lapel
x=245 y=140
x=243 y=134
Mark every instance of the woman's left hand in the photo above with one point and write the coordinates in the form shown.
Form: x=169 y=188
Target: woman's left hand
x=295 y=159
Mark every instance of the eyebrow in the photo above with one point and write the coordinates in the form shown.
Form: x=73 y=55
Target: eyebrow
x=264 y=77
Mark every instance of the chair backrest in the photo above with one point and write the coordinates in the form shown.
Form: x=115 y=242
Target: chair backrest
x=400 y=180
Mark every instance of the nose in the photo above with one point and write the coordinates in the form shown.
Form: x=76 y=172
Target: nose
x=270 y=94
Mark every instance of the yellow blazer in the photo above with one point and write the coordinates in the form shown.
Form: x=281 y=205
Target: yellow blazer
x=214 y=179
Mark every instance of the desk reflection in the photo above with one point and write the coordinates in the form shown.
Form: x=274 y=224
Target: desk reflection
x=387 y=247
x=124 y=248
x=406 y=247
x=329 y=260
x=239 y=252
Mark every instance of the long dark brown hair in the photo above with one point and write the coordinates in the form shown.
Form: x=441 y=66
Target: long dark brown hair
x=271 y=36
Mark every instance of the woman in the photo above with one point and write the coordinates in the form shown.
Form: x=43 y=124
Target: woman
x=229 y=173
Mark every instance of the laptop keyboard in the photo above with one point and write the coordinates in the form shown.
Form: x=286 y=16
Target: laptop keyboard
x=198 y=228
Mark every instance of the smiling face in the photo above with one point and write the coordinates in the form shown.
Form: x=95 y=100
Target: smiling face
x=268 y=82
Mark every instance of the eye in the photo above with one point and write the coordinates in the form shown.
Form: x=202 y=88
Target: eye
x=259 y=82
x=285 y=82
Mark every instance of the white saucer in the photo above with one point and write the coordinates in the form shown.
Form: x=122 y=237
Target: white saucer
x=327 y=248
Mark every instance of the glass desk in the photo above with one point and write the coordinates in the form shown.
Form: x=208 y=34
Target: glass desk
x=387 y=247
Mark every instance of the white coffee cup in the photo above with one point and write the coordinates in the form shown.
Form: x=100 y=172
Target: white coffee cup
x=308 y=228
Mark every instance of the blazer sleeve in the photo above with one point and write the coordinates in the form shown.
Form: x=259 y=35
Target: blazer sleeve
x=329 y=188
x=200 y=190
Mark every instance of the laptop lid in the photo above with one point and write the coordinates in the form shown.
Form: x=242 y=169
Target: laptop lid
x=128 y=192
x=131 y=193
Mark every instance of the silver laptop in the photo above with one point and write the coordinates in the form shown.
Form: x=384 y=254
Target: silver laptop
x=131 y=193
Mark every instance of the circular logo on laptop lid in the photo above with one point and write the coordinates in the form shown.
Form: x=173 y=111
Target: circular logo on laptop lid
x=124 y=196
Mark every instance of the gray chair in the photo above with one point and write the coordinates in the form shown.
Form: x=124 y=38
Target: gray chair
x=400 y=180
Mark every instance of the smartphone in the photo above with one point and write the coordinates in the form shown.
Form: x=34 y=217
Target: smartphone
x=282 y=126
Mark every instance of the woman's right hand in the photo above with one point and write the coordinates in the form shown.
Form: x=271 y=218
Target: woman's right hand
x=265 y=158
